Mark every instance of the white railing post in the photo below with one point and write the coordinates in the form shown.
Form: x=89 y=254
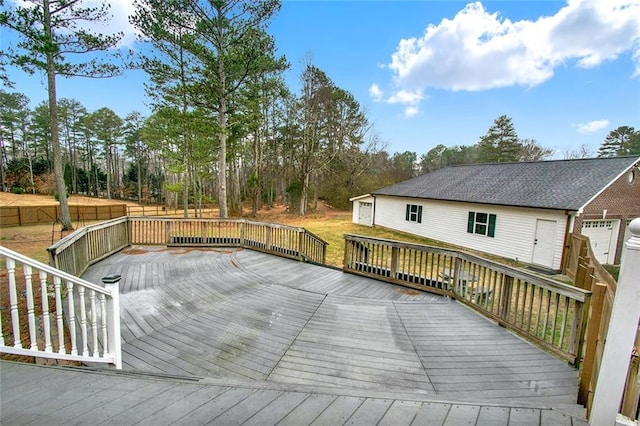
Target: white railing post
x=621 y=335
x=114 y=343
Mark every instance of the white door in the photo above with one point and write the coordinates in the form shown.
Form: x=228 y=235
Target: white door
x=364 y=215
x=544 y=242
x=602 y=235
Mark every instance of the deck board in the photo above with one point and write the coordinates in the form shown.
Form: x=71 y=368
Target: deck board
x=247 y=315
x=108 y=397
x=269 y=331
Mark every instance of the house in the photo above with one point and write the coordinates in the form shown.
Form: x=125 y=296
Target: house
x=522 y=211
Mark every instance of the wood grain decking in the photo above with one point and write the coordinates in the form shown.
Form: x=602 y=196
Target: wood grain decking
x=63 y=396
x=228 y=336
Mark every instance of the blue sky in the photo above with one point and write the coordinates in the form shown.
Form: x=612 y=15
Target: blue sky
x=440 y=72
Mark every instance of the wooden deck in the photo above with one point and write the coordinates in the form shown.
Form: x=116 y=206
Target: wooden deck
x=63 y=396
x=233 y=335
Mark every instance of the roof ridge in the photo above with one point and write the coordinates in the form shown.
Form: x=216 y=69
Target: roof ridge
x=545 y=161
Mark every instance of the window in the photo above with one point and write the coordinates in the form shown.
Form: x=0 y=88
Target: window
x=482 y=224
x=597 y=224
x=414 y=213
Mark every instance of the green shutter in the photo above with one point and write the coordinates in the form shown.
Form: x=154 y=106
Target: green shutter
x=472 y=218
x=492 y=225
x=419 y=214
x=408 y=212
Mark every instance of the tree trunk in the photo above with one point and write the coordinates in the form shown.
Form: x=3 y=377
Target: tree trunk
x=58 y=168
x=139 y=177
x=222 y=158
x=304 y=194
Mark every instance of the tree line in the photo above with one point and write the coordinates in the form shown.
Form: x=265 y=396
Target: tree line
x=224 y=126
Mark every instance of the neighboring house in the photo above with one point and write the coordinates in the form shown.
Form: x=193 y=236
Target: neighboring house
x=521 y=211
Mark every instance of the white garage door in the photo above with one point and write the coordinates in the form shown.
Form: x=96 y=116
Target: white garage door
x=366 y=213
x=603 y=235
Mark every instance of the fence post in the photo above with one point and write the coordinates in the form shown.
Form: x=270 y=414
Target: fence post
x=395 y=252
x=591 y=342
x=621 y=335
x=505 y=296
x=113 y=325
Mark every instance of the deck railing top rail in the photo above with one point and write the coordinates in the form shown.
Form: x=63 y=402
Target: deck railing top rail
x=73 y=237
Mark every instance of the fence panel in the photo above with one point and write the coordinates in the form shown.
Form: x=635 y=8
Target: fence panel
x=36 y=215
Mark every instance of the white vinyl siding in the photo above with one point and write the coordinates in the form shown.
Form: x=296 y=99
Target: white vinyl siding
x=448 y=221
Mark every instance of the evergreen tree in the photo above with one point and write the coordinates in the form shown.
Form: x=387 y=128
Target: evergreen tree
x=500 y=144
x=624 y=140
x=228 y=43
x=51 y=34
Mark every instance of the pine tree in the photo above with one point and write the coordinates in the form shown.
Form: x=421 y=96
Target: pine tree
x=622 y=141
x=53 y=40
x=501 y=143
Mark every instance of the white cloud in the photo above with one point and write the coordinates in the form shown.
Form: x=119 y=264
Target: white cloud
x=411 y=111
x=479 y=50
x=120 y=11
x=591 y=126
x=375 y=93
x=405 y=97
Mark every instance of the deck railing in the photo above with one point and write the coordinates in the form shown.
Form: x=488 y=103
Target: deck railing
x=49 y=313
x=89 y=244
x=281 y=240
x=77 y=251
x=547 y=312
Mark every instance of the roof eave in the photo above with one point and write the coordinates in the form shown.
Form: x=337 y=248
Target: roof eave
x=560 y=208
x=636 y=163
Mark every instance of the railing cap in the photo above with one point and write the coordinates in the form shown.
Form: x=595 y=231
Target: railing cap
x=111 y=279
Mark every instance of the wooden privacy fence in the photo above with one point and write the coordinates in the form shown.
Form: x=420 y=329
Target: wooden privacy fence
x=156 y=210
x=546 y=312
x=582 y=265
x=35 y=215
x=52 y=314
x=92 y=243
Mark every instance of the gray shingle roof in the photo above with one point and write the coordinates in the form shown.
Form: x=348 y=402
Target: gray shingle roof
x=559 y=184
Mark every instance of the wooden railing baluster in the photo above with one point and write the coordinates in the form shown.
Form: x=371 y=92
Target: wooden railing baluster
x=72 y=319
x=94 y=326
x=83 y=322
x=46 y=321
x=31 y=318
x=57 y=286
x=13 y=303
